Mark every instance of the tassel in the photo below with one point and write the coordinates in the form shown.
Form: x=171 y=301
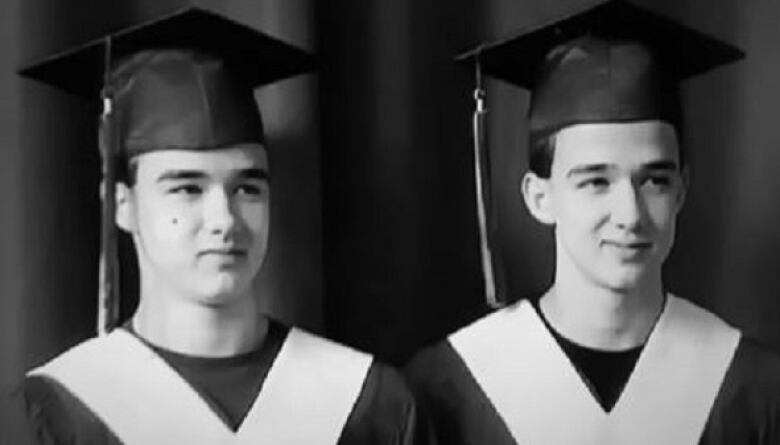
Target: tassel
x=492 y=271
x=108 y=273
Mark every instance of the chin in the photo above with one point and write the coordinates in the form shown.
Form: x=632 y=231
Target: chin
x=221 y=290
x=625 y=279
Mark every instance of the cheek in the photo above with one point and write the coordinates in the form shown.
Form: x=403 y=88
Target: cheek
x=663 y=213
x=580 y=214
x=166 y=225
x=255 y=218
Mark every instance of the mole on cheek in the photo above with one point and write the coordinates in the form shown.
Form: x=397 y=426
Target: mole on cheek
x=175 y=221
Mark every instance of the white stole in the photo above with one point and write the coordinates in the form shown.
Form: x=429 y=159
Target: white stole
x=306 y=398
x=543 y=400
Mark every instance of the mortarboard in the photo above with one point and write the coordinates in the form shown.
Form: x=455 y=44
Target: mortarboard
x=607 y=61
x=182 y=81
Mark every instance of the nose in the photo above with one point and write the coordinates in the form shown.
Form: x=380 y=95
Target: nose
x=627 y=206
x=218 y=213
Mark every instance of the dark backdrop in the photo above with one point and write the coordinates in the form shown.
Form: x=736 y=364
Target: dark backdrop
x=399 y=239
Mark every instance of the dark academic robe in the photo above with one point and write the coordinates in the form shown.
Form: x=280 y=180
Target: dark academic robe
x=384 y=411
x=745 y=409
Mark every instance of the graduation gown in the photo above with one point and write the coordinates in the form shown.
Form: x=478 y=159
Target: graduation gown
x=724 y=389
x=381 y=410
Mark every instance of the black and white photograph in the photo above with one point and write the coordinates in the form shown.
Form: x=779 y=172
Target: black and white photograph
x=401 y=222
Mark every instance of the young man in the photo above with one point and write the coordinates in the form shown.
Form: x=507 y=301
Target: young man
x=197 y=363
x=607 y=355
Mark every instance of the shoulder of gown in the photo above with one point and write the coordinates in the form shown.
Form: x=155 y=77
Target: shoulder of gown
x=747 y=407
x=386 y=412
x=458 y=408
x=56 y=416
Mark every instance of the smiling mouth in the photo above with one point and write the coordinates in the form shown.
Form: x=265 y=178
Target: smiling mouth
x=630 y=251
x=637 y=245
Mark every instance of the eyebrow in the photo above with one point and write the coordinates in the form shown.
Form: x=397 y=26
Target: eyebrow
x=664 y=165
x=259 y=174
x=587 y=168
x=661 y=165
x=174 y=175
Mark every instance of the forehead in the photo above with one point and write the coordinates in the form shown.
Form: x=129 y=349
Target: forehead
x=630 y=144
x=210 y=162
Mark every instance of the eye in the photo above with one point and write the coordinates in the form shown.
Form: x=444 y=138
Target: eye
x=595 y=183
x=186 y=189
x=658 y=182
x=250 y=190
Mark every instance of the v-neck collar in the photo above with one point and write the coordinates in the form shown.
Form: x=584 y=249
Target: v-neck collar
x=137 y=395
x=577 y=355
x=195 y=371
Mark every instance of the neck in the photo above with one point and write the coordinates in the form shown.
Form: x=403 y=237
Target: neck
x=190 y=327
x=601 y=318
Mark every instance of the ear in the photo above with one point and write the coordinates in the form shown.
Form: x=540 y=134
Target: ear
x=536 y=193
x=125 y=208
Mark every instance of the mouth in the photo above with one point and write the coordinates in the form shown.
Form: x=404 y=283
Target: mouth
x=638 y=245
x=629 y=249
x=227 y=252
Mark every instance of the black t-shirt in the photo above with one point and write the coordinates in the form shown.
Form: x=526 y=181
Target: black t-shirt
x=604 y=372
x=230 y=384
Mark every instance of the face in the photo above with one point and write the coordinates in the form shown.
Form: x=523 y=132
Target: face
x=613 y=196
x=199 y=220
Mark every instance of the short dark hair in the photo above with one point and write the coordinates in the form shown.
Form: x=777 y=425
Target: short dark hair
x=126 y=169
x=540 y=155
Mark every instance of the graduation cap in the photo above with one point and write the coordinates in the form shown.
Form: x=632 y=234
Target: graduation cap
x=608 y=61
x=182 y=81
